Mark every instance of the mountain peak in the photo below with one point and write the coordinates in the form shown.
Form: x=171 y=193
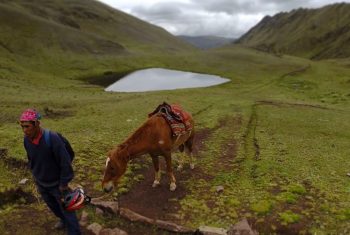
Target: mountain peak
x=312 y=33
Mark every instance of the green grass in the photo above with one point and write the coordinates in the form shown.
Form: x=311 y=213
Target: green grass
x=291 y=132
x=289 y=217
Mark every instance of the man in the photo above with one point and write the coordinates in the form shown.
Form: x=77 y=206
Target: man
x=51 y=168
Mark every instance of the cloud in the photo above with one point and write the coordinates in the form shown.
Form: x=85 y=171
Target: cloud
x=259 y=6
x=190 y=18
x=227 y=18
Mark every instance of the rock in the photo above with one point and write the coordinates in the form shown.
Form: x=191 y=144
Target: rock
x=348 y=174
x=99 y=211
x=109 y=206
x=95 y=228
x=241 y=228
x=84 y=218
x=174 y=216
x=133 y=216
x=172 y=227
x=169 y=226
x=206 y=230
x=219 y=189
x=23 y=181
x=115 y=231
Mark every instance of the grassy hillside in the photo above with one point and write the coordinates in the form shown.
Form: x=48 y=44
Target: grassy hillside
x=79 y=26
x=311 y=33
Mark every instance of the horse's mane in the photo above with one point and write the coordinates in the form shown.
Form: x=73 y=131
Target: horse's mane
x=137 y=135
x=134 y=138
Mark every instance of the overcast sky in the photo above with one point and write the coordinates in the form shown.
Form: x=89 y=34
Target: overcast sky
x=226 y=18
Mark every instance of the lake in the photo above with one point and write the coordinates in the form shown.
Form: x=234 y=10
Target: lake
x=156 y=79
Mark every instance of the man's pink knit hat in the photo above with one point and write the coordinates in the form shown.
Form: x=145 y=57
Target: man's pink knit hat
x=30 y=115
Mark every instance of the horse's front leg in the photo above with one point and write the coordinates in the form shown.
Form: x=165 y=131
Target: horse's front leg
x=157 y=173
x=170 y=171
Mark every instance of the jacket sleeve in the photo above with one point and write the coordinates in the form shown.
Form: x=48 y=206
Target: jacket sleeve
x=63 y=159
x=25 y=147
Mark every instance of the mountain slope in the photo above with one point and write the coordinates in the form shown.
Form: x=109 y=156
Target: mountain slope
x=206 y=42
x=79 y=26
x=27 y=34
x=313 y=33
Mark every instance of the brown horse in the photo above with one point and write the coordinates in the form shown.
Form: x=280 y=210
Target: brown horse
x=155 y=138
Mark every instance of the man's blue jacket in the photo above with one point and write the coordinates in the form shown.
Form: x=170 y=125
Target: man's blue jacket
x=50 y=164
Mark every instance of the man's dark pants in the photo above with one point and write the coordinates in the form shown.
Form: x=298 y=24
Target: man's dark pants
x=52 y=197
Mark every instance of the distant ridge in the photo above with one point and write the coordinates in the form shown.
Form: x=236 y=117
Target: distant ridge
x=206 y=42
x=312 y=33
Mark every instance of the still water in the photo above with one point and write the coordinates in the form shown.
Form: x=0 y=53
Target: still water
x=163 y=79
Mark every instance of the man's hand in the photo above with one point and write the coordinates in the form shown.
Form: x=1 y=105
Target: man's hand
x=64 y=189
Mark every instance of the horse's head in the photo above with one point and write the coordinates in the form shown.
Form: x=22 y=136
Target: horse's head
x=115 y=168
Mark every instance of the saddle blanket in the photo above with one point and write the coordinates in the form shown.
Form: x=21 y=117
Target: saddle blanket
x=177 y=118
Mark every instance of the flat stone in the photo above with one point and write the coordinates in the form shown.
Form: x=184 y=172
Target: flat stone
x=133 y=216
x=174 y=216
x=172 y=227
x=23 y=181
x=166 y=225
x=109 y=206
x=206 y=230
x=99 y=211
x=219 y=189
x=84 y=218
x=115 y=231
x=95 y=228
x=241 y=228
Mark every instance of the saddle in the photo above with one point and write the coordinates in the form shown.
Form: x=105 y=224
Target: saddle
x=177 y=118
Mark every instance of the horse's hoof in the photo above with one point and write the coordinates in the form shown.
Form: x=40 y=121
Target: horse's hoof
x=155 y=183
x=192 y=166
x=172 y=187
x=179 y=167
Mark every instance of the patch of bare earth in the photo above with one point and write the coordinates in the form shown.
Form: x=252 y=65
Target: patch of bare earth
x=229 y=151
x=285 y=104
x=57 y=114
x=304 y=206
x=17 y=196
x=30 y=220
x=227 y=157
